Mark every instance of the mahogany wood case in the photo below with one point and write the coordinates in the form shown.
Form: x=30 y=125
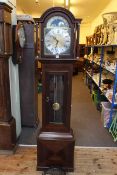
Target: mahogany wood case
x=55 y=141
x=7 y=122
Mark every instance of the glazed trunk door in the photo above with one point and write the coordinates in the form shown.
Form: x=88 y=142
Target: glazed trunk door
x=56 y=99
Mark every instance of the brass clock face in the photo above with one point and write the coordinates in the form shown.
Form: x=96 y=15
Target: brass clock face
x=57 y=37
x=21 y=36
x=57 y=41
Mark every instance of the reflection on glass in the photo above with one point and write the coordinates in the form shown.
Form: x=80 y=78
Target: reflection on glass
x=56 y=90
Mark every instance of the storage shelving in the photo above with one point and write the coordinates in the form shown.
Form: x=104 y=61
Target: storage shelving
x=110 y=73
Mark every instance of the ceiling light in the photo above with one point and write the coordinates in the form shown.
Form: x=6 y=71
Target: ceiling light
x=36 y=1
x=67 y=3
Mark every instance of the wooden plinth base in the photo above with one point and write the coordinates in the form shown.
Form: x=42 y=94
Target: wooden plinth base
x=8 y=135
x=55 y=150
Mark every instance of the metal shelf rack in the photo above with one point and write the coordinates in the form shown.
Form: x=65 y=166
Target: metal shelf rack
x=98 y=80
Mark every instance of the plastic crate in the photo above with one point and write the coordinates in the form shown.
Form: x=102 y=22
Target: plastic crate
x=105 y=113
x=98 y=97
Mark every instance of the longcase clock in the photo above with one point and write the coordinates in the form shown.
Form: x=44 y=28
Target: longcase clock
x=55 y=141
x=7 y=121
x=24 y=55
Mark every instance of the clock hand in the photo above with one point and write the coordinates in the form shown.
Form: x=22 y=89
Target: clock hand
x=57 y=41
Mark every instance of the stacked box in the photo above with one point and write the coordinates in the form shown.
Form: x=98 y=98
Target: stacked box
x=105 y=113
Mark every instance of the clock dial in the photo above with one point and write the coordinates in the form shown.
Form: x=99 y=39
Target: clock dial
x=21 y=36
x=57 y=36
x=57 y=41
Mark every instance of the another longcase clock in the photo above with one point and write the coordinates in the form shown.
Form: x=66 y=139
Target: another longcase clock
x=7 y=121
x=55 y=142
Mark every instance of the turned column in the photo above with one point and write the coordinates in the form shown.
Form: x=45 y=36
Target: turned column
x=7 y=122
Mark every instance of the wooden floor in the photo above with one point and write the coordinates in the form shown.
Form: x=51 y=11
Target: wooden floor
x=88 y=161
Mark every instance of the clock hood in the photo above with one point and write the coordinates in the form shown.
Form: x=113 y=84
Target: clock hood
x=52 y=10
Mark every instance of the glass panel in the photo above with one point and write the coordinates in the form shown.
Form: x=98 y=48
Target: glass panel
x=1 y=39
x=56 y=92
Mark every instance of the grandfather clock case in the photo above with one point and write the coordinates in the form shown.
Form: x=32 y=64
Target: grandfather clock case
x=7 y=122
x=55 y=141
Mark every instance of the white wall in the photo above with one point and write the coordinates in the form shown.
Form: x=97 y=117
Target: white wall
x=84 y=31
x=111 y=7
x=14 y=78
x=88 y=29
